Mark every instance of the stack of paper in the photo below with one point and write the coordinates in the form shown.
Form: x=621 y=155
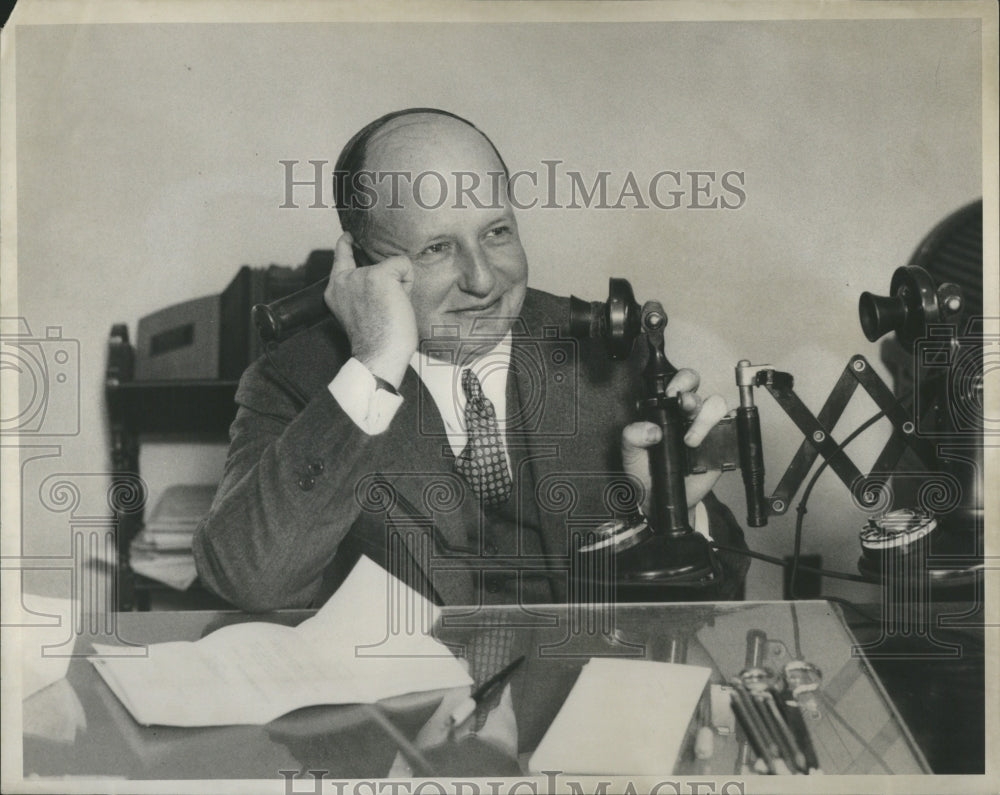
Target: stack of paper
x=623 y=717
x=356 y=649
x=162 y=550
x=171 y=524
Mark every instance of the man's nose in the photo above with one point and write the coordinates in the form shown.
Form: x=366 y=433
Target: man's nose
x=477 y=276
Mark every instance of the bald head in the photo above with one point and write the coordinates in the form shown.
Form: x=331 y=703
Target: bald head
x=430 y=187
x=419 y=156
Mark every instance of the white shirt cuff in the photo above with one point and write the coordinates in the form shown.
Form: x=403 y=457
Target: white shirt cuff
x=370 y=408
x=701 y=520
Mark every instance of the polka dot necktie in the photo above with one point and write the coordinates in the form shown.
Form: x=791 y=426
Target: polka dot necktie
x=489 y=653
x=483 y=463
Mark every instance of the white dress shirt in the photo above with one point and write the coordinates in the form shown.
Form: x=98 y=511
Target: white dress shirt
x=373 y=409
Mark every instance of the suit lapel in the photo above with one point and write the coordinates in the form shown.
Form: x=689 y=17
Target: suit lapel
x=525 y=446
x=432 y=506
x=542 y=390
x=574 y=404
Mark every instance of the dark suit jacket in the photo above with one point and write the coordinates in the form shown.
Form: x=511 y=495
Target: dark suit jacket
x=305 y=491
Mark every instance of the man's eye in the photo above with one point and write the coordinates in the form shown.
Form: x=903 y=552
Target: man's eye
x=499 y=231
x=434 y=250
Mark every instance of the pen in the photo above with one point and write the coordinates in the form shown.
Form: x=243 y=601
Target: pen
x=797 y=723
x=756 y=646
x=749 y=720
x=786 y=737
x=781 y=754
x=483 y=693
x=802 y=683
x=755 y=682
x=788 y=758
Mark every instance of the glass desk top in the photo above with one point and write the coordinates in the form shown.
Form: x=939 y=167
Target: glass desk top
x=78 y=727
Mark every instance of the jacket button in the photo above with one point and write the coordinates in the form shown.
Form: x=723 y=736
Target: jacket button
x=316 y=467
x=306 y=483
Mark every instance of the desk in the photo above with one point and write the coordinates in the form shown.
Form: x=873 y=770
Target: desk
x=861 y=733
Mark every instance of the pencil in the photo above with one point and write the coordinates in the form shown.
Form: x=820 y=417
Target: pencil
x=789 y=745
x=748 y=719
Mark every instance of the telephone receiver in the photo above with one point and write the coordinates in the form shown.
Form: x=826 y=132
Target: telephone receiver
x=280 y=319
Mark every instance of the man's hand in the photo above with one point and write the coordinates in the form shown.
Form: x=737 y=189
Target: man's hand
x=373 y=305
x=638 y=436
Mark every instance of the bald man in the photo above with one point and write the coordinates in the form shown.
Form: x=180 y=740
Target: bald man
x=431 y=420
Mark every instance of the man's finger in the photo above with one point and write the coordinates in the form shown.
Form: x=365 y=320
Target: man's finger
x=712 y=410
x=638 y=436
x=399 y=267
x=343 y=254
x=690 y=402
x=686 y=380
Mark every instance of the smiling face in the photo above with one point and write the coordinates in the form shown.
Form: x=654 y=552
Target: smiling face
x=470 y=271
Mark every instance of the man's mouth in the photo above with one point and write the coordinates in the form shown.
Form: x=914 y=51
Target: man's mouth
x=476 y=309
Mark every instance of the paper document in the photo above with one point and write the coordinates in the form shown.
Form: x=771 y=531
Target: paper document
x=44 y=637
x=359 y=648
x=623 y=717
x=182 y=506
x=176 y=570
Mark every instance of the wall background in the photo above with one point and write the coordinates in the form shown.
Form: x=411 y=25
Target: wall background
x=147 y=173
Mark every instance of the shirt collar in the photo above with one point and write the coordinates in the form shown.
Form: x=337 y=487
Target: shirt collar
x=444 y=382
